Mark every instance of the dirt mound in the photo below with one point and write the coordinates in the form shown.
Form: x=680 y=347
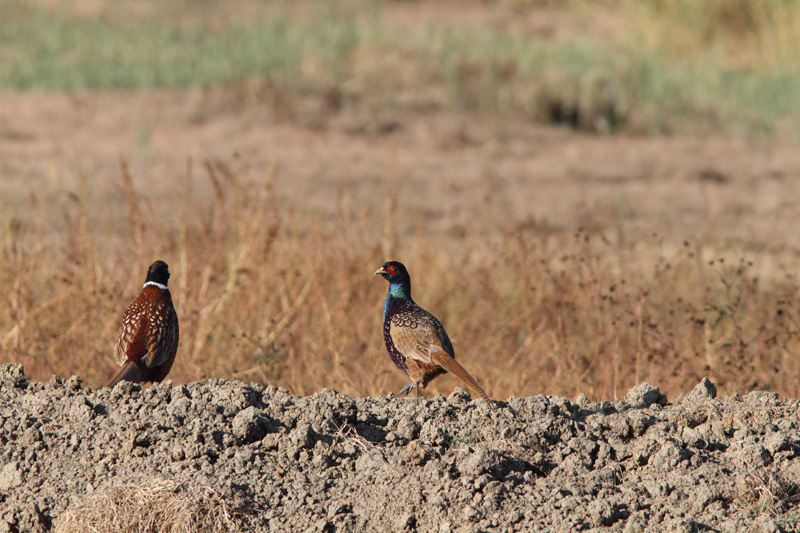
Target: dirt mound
x=226 y=456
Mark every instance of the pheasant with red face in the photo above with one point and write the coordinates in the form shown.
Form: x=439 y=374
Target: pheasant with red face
x=415 y=339
x=148 y=336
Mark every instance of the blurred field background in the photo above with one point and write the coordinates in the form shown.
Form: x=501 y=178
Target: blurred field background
x=587 y=194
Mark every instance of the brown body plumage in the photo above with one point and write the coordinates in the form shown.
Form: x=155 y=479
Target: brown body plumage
x=148 y=336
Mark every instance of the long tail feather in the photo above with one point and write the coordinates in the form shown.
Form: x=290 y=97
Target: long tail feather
x=444 y=360
x=128 y=372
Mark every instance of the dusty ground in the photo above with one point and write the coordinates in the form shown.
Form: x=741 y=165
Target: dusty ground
x=330 y=462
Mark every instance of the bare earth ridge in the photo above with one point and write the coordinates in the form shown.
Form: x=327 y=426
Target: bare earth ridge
x=266 y=460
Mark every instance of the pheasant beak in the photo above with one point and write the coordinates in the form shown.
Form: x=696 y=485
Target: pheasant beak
x=379 y=271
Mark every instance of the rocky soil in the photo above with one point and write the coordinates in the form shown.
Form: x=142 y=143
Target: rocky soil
x=242 y=457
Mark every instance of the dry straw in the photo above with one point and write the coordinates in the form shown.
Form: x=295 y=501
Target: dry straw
x=269 y=292
x=166 y=506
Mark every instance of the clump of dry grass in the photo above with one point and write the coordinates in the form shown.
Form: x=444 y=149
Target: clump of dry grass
x=164 y=505
x=268 y=292
x=766 y=492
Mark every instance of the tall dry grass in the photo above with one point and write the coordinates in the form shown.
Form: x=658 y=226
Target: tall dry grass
x=268 y=292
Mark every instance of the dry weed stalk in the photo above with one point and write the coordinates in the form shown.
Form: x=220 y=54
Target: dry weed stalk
x=348 y=433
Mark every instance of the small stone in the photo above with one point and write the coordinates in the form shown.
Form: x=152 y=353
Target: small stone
x=479 y=462
x=414 y=453
x=12 y=374
x=602 y=513
x=322 y=460
x=645 y=395
x=340 y=508
x=73 y=383
x=459 y=396
x=302 y=436
x=404 y=522
x=373 y=460
x=177 y=453
x=471 y=514
x=249 y=426
x=10 y=476
x=30 y=437
x=142 y=440
x=408 y=429
x=765 y=524
x=324 y=526
x=705 y=390
x=761 y=397
x=583 y=401
x=667 y=457
x=677 y=525
x=81 y=409
x=775 y=442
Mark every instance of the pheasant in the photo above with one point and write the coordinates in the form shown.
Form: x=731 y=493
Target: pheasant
x=415 y=339
x=148 y=336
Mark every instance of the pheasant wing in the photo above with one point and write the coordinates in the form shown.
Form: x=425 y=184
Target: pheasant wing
x=414 y=337
x=162 y=339
x=130 y=337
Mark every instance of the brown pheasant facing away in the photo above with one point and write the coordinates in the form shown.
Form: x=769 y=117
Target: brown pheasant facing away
x=415 y=339
x=148 y=336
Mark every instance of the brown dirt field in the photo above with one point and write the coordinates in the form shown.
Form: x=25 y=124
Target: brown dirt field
x=722 y=189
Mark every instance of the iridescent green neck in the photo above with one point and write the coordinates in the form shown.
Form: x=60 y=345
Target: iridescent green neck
x=400 y=290
x=397 y=291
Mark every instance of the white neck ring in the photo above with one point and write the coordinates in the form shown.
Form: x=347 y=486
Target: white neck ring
x=155 y=284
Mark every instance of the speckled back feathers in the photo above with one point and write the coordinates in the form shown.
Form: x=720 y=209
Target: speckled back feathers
x=149 y=332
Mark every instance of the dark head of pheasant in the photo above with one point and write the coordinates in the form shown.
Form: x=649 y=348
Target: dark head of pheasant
x=416 y=341
x=157 y=275
x=399 y=283
x=148 y=335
